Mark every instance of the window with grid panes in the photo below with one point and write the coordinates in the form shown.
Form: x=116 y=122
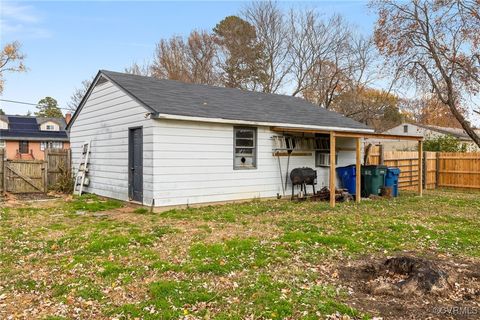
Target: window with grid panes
x=244 y=148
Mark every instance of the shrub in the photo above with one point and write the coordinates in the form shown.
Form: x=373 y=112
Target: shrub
x=445 y=143
x=65 y=181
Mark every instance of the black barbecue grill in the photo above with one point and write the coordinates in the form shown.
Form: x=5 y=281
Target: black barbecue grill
x=303 y=177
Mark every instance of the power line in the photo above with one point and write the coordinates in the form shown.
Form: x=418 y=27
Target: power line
x=19 y=102
x=29 y=103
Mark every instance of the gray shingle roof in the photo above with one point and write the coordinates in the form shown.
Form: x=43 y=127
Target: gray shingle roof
x=456 y=132
x=195 y=100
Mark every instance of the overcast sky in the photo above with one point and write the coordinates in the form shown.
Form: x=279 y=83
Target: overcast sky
x=66 y=42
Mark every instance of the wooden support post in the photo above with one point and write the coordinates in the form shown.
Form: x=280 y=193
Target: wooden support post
x=358 y=171
x=332 y=169
x=437 y=169
x=381 y=155
x=420 y=168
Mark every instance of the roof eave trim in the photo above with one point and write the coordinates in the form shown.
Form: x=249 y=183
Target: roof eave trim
x=90 y=89
x=255 y=123
x=84 y=99
x=13 y=138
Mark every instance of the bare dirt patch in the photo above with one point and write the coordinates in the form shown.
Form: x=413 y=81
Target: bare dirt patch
x=406 y=286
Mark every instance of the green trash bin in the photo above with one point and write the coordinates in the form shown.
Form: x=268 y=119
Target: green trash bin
x=373 y=179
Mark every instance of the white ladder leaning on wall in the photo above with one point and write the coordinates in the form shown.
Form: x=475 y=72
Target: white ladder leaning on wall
x=80 y=177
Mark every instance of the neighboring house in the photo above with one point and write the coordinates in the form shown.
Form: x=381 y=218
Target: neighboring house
x=25 y=137
x=174 y=143
x=426 y=131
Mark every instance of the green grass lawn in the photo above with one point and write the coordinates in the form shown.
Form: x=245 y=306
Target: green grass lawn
x=262 y=259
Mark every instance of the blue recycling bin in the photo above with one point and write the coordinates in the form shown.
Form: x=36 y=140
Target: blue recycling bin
x=347 y=176
x=391 y=180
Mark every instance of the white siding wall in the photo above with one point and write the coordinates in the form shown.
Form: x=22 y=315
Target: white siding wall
x=105 y=119
x=413 y=130
x=193 y=163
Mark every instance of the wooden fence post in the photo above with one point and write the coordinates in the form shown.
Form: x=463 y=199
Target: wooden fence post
x=420 y=167
x=424 y=171
x=381 y=154
x=5 y=176
x=437 y=169
x=45 y=176
x=2 y=171
x=69 y=161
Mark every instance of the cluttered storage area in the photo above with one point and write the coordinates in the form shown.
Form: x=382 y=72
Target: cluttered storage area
x=311 y=179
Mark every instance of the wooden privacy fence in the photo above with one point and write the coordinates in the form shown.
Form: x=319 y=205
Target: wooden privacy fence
x=33 y=176
x=440 y=169
x=25 y=176
x=461 y=170
x=407 y=162
x=58 y=162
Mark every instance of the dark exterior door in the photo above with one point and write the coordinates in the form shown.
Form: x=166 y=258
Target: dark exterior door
x=135 y=164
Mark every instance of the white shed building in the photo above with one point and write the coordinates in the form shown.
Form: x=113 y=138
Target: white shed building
x=171 y=143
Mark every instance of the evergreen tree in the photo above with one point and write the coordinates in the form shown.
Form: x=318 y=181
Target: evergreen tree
x=48 y=108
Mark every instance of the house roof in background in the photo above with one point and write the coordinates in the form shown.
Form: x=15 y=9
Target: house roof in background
x=210 y=102
x=28 y=128
x=456 y=132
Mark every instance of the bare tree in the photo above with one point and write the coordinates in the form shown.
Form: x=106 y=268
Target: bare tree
x=188 y=61
x=272 y=33
x=428 y=110
x=201 y=58
x=314 y=52
x=11 y=60
x=436 y=45
x=376 y=108
x=138 y=69
x=322 y=57
x=78 y=95
x=170 y=60
x=309 y=42
x=328 y=57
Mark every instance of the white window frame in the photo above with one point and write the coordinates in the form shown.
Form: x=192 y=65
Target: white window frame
x=253 y=148
x=322 y=159
x=49 y=126
x=51 y=145
x=56 y=144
